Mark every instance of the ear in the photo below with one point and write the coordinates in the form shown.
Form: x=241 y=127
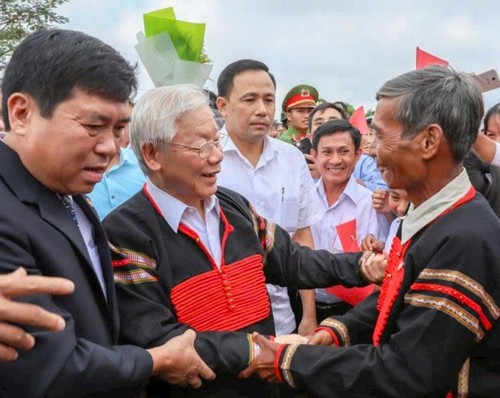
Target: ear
x=358 y=153
x=21 y=109
x=152 y=156
x=221 y=103
x=289 y=116
x=314 y=154
x=432 y=137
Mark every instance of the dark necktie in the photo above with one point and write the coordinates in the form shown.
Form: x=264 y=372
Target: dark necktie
x=68 y=205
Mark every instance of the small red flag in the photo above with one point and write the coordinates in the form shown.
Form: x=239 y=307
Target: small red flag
x=348 y=236
x=348 y=239
x=424 y=59
x=358 y=120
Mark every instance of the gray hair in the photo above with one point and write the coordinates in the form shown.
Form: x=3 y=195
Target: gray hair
x=437 y=94
x=154 y=117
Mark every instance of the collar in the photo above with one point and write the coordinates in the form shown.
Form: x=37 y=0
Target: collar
x=269 y=151
x=350 y=191
x=172 y=209
x=418 y=218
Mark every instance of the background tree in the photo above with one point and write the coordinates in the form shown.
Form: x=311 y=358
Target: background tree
x=18 y=18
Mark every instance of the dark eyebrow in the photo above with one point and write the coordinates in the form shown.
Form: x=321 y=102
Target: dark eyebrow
x=106 y=119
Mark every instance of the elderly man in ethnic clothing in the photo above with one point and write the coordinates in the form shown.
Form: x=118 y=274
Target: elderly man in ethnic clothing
x=189 y=255
x=433 y=330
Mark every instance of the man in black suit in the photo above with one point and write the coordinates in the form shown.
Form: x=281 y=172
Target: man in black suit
x=65 y=99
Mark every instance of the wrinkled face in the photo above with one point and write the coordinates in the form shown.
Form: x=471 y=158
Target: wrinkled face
x=336 y=158
x=398 y=201
x=321 y=117
x=250 y=106
x=180 y=170
x=493 y=131
x=297 y=117
x=399 y=159
x=70 y=151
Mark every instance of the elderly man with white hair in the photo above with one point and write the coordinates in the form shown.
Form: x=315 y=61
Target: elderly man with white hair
x=190 y=255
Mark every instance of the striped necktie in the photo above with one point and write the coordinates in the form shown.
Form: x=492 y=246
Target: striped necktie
x=68 y=205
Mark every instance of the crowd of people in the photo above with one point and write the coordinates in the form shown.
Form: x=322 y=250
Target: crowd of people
x=184 y=245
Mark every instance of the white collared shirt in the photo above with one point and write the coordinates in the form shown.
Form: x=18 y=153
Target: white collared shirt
x=280 y=187
x=176 y=212
x=354 y=203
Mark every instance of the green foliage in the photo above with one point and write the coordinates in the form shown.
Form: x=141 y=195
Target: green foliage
x=350 y=108
x=18 y=18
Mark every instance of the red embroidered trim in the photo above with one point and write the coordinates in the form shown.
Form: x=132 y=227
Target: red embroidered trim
x=331 y=333
x=394 y=273
x=148 y=195
x=228 y=228
x=194 y=236
x=393 y=279
x=466 y=301
x=120 y=263
x=276 y=363
x=225 y=299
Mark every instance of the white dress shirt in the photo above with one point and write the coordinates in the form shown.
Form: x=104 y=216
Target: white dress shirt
x=176 y=212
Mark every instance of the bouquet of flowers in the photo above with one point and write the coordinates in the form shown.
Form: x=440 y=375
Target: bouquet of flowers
x=172 y=50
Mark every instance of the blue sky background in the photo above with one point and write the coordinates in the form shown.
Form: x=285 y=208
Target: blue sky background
x=346 y=49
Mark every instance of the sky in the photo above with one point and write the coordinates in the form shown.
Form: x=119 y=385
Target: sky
x=346 y=49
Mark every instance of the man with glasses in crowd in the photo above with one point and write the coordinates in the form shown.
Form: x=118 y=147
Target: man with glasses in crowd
x=191 y=255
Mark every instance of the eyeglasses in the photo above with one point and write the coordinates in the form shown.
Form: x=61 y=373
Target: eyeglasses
x=205 y=150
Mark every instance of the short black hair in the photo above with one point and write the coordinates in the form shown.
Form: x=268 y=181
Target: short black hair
x=337 y=126
x=322 y=107
x=225 y=82
x=49 y=64
x=493 y=111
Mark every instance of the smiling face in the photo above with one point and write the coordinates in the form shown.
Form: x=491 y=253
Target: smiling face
x=69 y=151
x=250 y=106
x=399 y=159
x=180 y=171
x=398 y=202
x=336 y=158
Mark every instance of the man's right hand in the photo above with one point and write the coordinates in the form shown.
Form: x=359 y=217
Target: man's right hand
x=177 y=362
x=19 y=283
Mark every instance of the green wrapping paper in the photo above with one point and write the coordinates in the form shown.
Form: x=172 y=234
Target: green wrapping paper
x=188 y=37
x=170 y=50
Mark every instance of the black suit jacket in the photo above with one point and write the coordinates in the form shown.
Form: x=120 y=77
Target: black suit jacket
x=38 y=233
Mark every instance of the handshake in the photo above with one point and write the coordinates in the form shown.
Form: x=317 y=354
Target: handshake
x=177 y=361
x=185 y=366
x=263 y=364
